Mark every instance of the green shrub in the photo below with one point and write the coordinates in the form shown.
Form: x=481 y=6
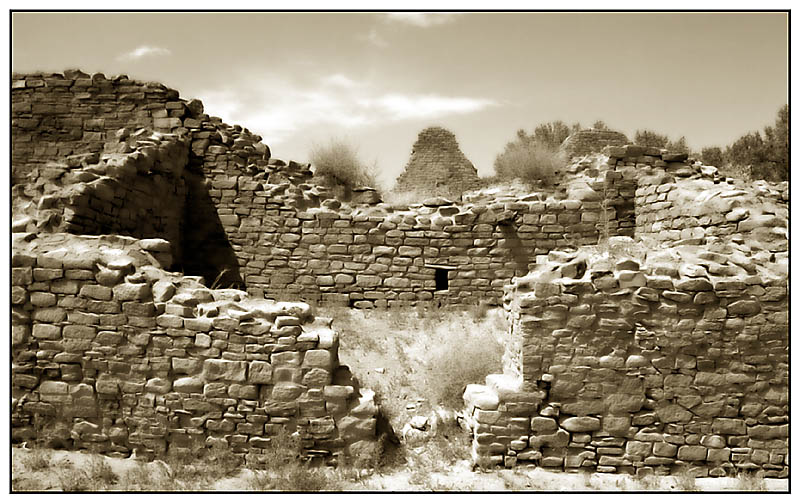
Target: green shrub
x=535 y=164
x=337 y=166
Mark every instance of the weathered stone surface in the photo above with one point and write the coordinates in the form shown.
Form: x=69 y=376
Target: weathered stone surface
x=224 y=370
x=580 y=424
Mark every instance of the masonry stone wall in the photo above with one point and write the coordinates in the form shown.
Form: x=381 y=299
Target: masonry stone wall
x=77 y=119
x=674 y=363
x=679 y=203
x=140 y=193
x=437 y=167
x=591 y=141
x=112 y=354
x=261 y=224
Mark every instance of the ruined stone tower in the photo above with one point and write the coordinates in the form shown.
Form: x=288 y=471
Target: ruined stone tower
x=437 y=166
x=589 y=141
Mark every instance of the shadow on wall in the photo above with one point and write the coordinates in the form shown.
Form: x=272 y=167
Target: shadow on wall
x=516 y=248
x=207 y=251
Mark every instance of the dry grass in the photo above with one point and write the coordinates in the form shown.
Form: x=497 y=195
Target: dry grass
x=685 y=481
x=419 y=357
x=337 y=166
x=750 y=481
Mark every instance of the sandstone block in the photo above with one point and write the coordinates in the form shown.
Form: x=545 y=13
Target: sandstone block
x=581 y=424
x=224 y=370
x=744 y=307
x=158 y=386
x=728 y=426
x=543 y=425
x=321 y=358
x=50 y=315
x=132 y=291
x=692 y=453
x=188 y=385
x=185 y=365
x=260 y=372
x=44 y=331
x=480 y=396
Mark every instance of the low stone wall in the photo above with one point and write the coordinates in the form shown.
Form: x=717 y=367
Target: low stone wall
x=112 y=355
x=679 y=362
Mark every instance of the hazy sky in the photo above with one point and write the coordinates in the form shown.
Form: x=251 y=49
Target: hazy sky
x=377 y=79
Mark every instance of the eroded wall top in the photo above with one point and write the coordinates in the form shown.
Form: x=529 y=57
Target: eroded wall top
x=437 y=166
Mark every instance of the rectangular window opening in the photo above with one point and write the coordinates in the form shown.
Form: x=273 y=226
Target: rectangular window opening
x=440 y=275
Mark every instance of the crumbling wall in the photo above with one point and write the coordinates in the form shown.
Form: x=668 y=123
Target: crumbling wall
x=112 y=354
x=58 y=116
x=137 y=190
x=591 y=141
x=437 y=167
x=674 y=362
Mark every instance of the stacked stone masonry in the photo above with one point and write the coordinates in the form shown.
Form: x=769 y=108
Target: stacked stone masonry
x=677 y=363
x=437 y=167
x=112 y=354
x=258 y=223
x=643 y=362
x=591 y=141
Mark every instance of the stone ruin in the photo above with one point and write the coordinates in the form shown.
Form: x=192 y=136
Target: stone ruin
x=591 y=141
x=665 y=353
x=437 y=167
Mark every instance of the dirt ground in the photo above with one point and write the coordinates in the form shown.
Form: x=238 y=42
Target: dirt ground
x=458 y=478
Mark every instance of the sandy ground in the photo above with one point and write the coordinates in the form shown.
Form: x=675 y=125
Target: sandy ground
x=458 y=478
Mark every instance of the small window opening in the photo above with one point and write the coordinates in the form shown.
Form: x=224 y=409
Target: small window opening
x=440 y=275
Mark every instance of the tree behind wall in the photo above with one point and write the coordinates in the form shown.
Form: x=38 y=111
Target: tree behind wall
x=764 y=157
x=648 y=138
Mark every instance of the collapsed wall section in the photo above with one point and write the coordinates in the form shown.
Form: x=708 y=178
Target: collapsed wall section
x=677 y=362
x=112 y=354
x=137 y=190
x=77 y=118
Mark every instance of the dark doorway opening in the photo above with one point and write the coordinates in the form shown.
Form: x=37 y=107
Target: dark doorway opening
x=440 y=275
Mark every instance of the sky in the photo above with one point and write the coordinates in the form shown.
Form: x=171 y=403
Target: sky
x=376 y=79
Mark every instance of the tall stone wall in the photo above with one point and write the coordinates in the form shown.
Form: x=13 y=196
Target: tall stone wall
x=114 y=355
x=57 y=116
x=677 y=362
x=437 y=167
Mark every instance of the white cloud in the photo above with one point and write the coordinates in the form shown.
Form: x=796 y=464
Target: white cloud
x=277 y=108
x=409 y=106
x=340 y=80
x=421 y=19
x=144 y=51
x=374 y=38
